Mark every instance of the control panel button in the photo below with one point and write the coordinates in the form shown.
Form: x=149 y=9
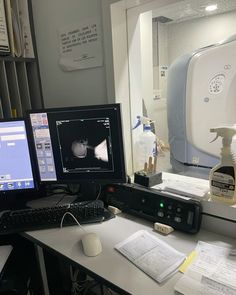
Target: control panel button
x=160 y=214
x=177 y=219
x=143 y=200
x=178 y=209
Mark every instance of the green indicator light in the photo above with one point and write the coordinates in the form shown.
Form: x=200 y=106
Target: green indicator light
x=162 y=205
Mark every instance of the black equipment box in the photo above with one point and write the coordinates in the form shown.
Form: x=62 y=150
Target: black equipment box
x=181 y=213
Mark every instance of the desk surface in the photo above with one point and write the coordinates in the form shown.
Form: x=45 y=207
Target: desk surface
x=110 y=265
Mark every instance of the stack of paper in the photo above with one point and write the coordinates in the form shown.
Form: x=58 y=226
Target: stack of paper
x=213 y=272
x=4 y=41
x=153 y=256
x=18 y=27
x=27 y=43
x=188 y=188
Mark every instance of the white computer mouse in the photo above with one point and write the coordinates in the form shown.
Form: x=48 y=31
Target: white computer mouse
x=91 y=244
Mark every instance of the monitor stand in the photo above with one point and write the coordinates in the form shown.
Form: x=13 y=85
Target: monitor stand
x=89 y=191
x=52 y=201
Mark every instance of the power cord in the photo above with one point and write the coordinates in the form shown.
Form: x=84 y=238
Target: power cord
x=76 y=287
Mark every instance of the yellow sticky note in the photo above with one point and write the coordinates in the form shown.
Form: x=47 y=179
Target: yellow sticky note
x=188 y=261
x=14 y=113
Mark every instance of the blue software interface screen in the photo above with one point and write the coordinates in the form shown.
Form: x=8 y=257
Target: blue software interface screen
x=15 y=165
x=43 y=145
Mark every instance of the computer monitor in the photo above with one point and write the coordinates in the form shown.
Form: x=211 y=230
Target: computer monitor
x=16 y=172
x=79 y=144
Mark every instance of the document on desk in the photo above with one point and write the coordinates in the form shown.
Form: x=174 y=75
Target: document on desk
x=4 y=254
x=213 y=272
x=152 y=255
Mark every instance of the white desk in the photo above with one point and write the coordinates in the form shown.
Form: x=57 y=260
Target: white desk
x=110 y=266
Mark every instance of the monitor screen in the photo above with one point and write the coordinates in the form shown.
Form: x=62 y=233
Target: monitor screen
x=16 y=173
x=79 y=144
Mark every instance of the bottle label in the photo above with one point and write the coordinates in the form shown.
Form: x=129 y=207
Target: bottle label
x=223 y=182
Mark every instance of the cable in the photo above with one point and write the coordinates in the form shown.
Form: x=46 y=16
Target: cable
x=99 y=192
x=77 y=285
x=84 y=287
x=102 y=289
x=108 y=291
x=75 y=219
x=90 y=286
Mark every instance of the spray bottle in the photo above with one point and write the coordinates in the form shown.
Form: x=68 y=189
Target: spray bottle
x=147 y=143
x=222 y=176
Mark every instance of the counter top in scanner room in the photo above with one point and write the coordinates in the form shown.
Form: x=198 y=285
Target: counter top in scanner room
x=111 y=265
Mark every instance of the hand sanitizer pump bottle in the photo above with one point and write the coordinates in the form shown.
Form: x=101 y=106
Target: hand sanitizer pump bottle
x=222 y=176
x=147 y=143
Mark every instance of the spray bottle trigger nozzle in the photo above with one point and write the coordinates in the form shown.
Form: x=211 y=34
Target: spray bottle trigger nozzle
x=215 y=138
x=137 y=123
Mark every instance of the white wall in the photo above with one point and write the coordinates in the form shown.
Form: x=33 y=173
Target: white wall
x=187 y=36
x=120 y=74
x=140 y=71
x=61 y=88
x=160 y=104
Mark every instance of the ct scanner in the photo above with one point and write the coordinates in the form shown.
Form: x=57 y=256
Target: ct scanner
x=201 y=94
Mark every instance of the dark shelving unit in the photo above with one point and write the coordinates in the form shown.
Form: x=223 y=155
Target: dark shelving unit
x=20 y=83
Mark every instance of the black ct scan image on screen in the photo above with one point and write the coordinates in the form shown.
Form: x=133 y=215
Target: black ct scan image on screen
x=79 y=144
x=85 y=145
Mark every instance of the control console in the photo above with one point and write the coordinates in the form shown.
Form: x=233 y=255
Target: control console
x=182 y=214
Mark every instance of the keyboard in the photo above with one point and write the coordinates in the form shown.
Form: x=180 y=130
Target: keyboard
x=50 y=217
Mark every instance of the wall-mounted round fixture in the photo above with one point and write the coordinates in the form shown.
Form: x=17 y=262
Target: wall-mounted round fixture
x=211 y=7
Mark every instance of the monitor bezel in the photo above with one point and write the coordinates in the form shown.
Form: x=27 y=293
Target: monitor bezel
x=22 y=193
x=122 y=175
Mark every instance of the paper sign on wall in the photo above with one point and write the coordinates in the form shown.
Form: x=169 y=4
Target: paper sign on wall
x=80 y=45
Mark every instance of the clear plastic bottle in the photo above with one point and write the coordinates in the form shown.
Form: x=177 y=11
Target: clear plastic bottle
x=146 y=145
x=222 y=176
